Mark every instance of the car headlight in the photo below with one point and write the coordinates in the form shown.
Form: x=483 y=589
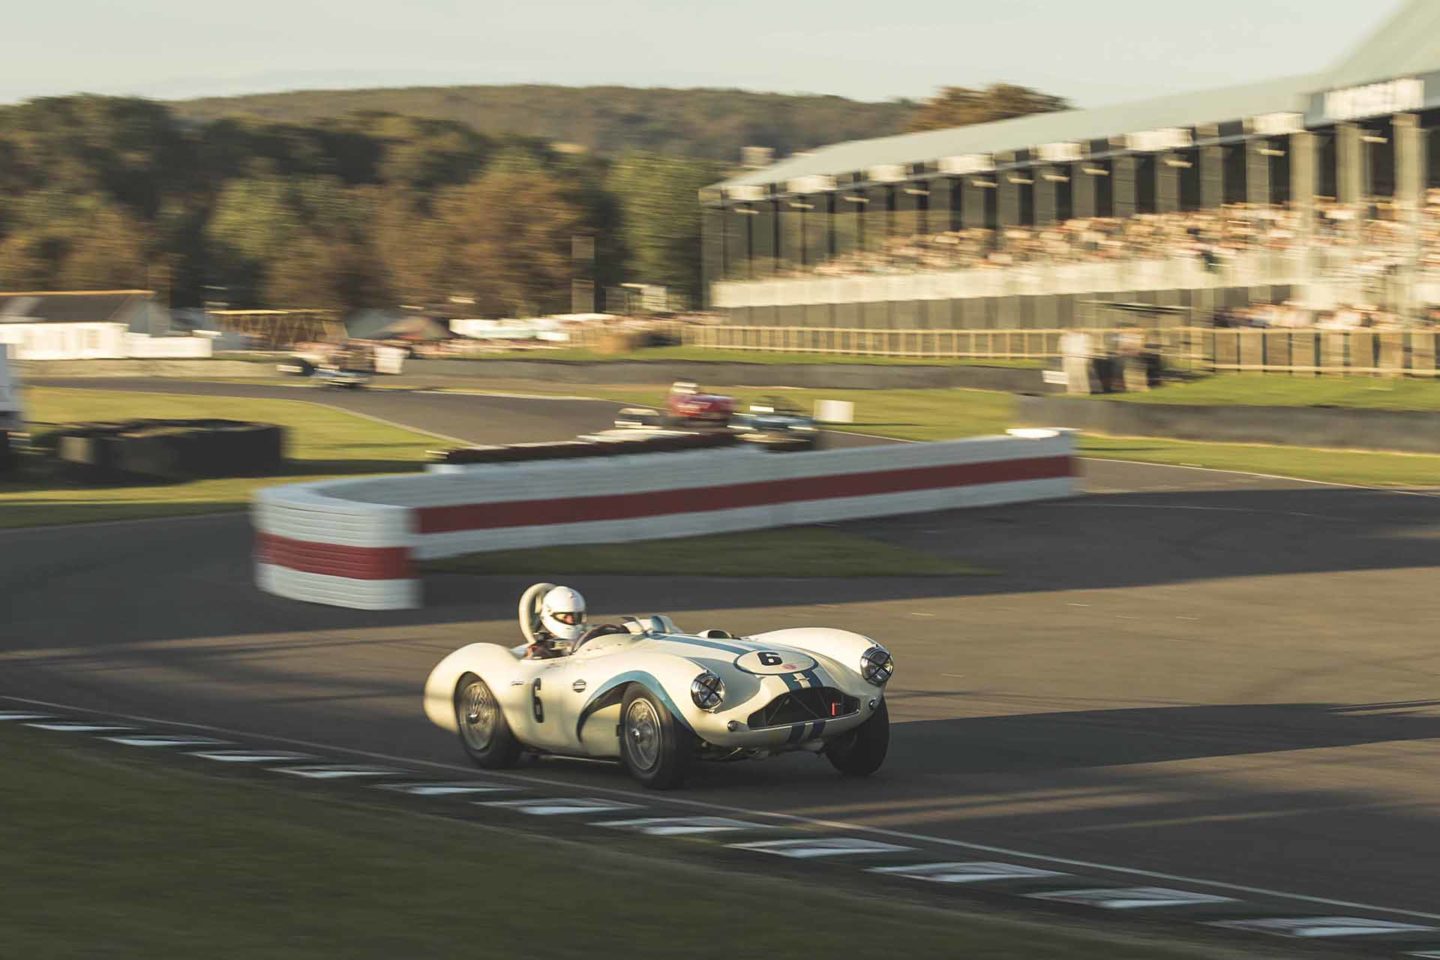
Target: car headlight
x=876 y=665
x=707 y=690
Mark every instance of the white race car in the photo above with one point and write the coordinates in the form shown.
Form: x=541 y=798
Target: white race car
x=659 y=699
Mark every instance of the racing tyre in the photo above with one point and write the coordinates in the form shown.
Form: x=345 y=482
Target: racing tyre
x=655 y=748
x=484 y=732
x=860 y=752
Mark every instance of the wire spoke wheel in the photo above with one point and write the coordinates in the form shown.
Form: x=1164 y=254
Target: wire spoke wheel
x=477 y=713
x=642 y=734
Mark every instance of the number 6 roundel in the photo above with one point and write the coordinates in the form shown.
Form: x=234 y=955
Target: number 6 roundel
x=773 y=662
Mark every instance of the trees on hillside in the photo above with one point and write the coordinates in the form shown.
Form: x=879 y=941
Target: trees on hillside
x=659 y=203
x=962 y=106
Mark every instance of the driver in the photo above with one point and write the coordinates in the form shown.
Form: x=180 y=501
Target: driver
x=561 y=623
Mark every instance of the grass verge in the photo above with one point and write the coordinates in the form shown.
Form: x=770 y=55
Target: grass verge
x=1359 y=467
x=788 y=552
x=322 y=442
x=120 y=856
x=1250 y=389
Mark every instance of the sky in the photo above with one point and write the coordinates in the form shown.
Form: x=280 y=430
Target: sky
x=1098 y=52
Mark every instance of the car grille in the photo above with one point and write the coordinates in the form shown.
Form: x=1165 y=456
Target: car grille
x=798 y=706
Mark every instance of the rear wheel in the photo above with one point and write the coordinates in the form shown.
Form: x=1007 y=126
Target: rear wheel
x=484 y=732
x=861 y=751
x=655 y=747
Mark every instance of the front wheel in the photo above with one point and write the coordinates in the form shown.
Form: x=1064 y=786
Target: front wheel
x=484 y=732
x=655 y=747
x=861 y=751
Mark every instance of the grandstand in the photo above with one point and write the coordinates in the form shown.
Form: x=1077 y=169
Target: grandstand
x=1320 y=191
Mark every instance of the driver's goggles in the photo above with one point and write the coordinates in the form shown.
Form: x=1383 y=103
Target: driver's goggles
x=569 y=619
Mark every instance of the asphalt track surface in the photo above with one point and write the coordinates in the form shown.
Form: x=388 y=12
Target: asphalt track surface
x=1189 y=672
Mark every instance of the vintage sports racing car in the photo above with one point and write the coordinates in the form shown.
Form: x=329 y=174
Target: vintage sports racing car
x=685 y=406
x=658 y=699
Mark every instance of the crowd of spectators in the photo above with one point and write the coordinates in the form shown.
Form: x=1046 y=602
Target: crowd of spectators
x=1363 y=241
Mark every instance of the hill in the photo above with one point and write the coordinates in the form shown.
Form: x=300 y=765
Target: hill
x=702 y=123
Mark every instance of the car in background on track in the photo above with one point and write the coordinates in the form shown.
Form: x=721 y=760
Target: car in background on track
x=685 y=406
x=658 y=699
x=777 y=424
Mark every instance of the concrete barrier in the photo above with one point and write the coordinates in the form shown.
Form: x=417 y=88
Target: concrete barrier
x=1399 y=430
x=354 y=543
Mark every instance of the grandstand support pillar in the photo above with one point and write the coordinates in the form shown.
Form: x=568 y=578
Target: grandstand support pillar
x=1082 y=189
x=1257 y=172
x=819 y=221
x=1212 y=170
x=906 y=221
x=1122 y=176
x=1409 y=198
x=877 y=217
x=762 y=239
x=972 y=204
x=712 y=250
x=792 y=233
x=737 y=241
x=1349 y=170
x=849 y=209
x=1303 y=171
x=1045 y=210
x=1167 y=182
x=1007 y=203
x=938 y=216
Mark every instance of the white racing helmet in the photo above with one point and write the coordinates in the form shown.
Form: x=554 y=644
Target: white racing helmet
x=562 y=614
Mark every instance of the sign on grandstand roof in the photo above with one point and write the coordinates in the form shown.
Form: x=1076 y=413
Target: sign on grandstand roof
x=1375 y=99
x=813 y=184
x=887 y=172
x=969 y=163
x=1276 y=124
x=745 y=192
x=1157 y=141
x=1065 y=152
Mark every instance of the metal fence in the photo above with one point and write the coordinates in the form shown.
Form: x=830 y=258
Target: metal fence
x=1198 y=349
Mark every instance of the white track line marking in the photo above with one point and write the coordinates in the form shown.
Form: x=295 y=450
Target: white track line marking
x=786 y=817
x=1131 y=898
x=815 y=847
x=23 y=715
x=977 y=871
x=337 y=771
x=444 y=789
x=1314 y=927
x=683 y=826
x=72 y=726
x=559 y=806
x=253 y=756
x=160 y=740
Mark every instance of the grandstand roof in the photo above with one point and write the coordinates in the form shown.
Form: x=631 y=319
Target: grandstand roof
x=1407 y=44
x=1231 y=103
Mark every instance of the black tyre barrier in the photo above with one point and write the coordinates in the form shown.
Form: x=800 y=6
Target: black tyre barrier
x=168 y=449
x=640 y=442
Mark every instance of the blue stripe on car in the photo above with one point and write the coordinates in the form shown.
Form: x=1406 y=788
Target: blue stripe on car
x=797 y=733
x=815 y=729
x=814 y=678
x=727 y=646
x=792 y=681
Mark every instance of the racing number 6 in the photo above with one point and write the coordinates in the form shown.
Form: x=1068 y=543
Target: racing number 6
x=535 y=704
x=768 y=659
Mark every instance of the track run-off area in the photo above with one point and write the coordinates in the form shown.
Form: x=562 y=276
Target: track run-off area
x=1185 y=679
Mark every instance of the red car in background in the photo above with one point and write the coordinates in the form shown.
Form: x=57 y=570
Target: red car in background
x=686 y=404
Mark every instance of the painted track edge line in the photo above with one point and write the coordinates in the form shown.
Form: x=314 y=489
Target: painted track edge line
x=791 y=818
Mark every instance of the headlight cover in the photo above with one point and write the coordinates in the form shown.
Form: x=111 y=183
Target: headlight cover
x=708 y=691
x=876 y=665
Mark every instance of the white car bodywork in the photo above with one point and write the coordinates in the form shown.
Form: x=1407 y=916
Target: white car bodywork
x=571 y=705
